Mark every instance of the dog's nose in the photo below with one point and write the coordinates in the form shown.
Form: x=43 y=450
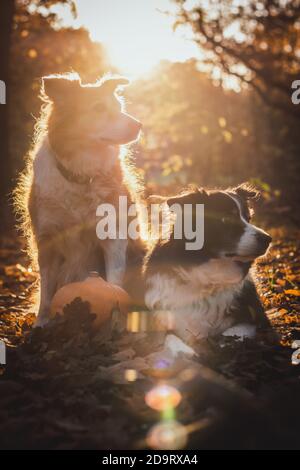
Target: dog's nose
x=264 y=239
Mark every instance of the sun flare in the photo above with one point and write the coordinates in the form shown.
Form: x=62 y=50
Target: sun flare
x=137 y=34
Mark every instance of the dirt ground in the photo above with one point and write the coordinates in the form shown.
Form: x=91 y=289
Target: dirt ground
x=57 y=392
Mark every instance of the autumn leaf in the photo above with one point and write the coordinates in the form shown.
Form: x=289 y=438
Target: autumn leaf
x=282 y=311
x=295 y=292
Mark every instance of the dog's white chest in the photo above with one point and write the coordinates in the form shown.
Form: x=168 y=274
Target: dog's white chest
x=192 y=312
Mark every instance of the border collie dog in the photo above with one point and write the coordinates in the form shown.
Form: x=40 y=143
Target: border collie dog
x=74 y=166
x=206 y=292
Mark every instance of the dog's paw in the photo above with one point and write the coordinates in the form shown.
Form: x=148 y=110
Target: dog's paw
x=175 y=346
x=241 y=331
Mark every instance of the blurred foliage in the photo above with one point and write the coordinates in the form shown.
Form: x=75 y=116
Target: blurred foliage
x=195 y=131
x=256 y=41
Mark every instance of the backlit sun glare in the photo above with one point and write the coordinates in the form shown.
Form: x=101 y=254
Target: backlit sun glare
x=136 y=33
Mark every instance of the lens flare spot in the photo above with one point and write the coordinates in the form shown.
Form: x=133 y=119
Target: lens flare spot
x=164 y=320
x=163 y=397
x=162 y=364
x=167 y=436
x=32 y=53
x=131 y=375
x=137 y=322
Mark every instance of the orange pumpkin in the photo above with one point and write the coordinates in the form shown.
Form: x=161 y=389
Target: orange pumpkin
x=102 y=297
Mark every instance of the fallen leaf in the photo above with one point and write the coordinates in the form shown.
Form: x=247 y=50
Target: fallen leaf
x=295 y=292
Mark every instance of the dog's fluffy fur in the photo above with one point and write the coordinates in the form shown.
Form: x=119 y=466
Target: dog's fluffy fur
x=203 y=293
x=80 y=132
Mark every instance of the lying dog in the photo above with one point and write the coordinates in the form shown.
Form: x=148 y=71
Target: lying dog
x=205 y=292
x=75 y=166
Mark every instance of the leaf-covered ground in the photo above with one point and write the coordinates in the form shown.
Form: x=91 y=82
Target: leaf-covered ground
x=59 y=389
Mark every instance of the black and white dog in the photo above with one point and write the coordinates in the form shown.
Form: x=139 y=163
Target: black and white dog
x=209 y=291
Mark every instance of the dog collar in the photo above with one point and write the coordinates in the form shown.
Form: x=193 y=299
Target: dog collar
x=67 y=174
x=70 y=176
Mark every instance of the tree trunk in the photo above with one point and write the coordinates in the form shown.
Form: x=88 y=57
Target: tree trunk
x=7 y=9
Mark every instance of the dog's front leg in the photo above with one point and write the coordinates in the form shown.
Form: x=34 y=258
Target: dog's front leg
x=115 y=254
x=49 y=264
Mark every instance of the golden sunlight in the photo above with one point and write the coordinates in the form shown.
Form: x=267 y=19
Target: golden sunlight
x=137 y=34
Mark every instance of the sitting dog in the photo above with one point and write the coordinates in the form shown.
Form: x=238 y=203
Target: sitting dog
x=205 y=292
x=74 y=166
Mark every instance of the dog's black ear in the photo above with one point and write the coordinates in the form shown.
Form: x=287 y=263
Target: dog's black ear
x=180 y=199
x=111 y=84
x=59 y=87
x=202 y=193
x=247 y=191
x=193 y=196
